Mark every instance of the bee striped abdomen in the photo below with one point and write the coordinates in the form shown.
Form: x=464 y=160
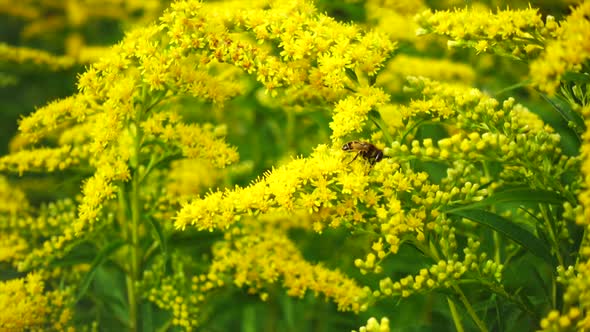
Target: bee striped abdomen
x=364 y=149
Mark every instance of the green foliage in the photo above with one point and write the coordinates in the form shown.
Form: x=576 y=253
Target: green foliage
x=195 y=179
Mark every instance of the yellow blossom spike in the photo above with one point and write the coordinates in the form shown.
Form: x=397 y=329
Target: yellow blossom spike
x=569 y=50
x=52 y=116
x=351 y=113
x=506 y=32
x=46 y=159
x=40 y=58
x=27 y=305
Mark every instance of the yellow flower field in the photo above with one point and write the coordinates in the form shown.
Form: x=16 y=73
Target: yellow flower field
x=264 y=165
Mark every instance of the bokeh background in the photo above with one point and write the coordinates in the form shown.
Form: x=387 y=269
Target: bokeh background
x=45 y=44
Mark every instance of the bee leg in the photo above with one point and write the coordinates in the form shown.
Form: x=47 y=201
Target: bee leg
x=353 y=159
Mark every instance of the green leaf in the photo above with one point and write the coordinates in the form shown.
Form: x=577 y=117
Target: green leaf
x=80 y=252
x=375 y=116
x=576 y=77
x=511 y=230
x=289 y=314
x=514 y=195
x=518 y=85
x=147 y=321
x=110 y=295
x=100 y=258
x=372 y=80
x=566 y=113
x=161 y=237
x=352 y=75
x=249 y=319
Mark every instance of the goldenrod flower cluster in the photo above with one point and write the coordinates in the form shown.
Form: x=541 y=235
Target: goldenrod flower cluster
x=484 y=131
x=257 y=259
x=394 y=75
x=314 y=50
x=177 y=293
x=351 y=113
x=568 y=322
x=27 y=306
x=167 y=218
x=444 y=274
x=576 y=298
x=566 y=53
x=39 y=58
x=23 y=228
x=42 y=159
x=72 y=16
x=321 y=184
x=576 y=314
x=555 y=47
x=51 y=221
x=11 y=200
x=583 y=216
x=395 y=17
x=512 y=33
x=373 y=325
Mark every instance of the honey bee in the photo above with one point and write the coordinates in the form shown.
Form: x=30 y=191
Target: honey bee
x=365 y=150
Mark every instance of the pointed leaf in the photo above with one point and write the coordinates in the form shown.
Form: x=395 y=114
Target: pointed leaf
x=161 y=236
x=511 y=230
x=515 y=195
x=566 y=113
x=375 y=116
x=518 y=85
x=576 y=77
x=372 y=80
x=100 y=258
x=352 y=75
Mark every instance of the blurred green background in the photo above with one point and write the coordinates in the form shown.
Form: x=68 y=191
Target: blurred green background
x=26 y=86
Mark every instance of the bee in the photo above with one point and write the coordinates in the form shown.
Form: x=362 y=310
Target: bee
x=365 y=150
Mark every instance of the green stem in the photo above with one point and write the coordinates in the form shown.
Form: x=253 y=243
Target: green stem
x=433 y=253
x=290 y=130
x=375 y=116
x=553 y=292
x=550 y=226
x=133 y=232
x=128 y=268
x=512 y=297
x=480 y=324
x=455 y=315
x=133 y=277
x=583 y=245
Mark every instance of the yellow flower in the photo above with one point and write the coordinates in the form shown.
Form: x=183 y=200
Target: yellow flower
x=351 y=113
x=48 y=118
x=13 y=247
x=26 y=305
x=22 y=55
x=264 y=255
x=43 y=159
x=569 y=50
x=396 y=18
x=271 y=191
x=12 y=199
x=96 y=190
x=394 y=75
x=373 y=325
x=507 y=32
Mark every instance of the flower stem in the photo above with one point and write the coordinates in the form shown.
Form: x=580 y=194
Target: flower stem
x=455 y=315
x=133 y=234
x=133 y=278
x=480 y=324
